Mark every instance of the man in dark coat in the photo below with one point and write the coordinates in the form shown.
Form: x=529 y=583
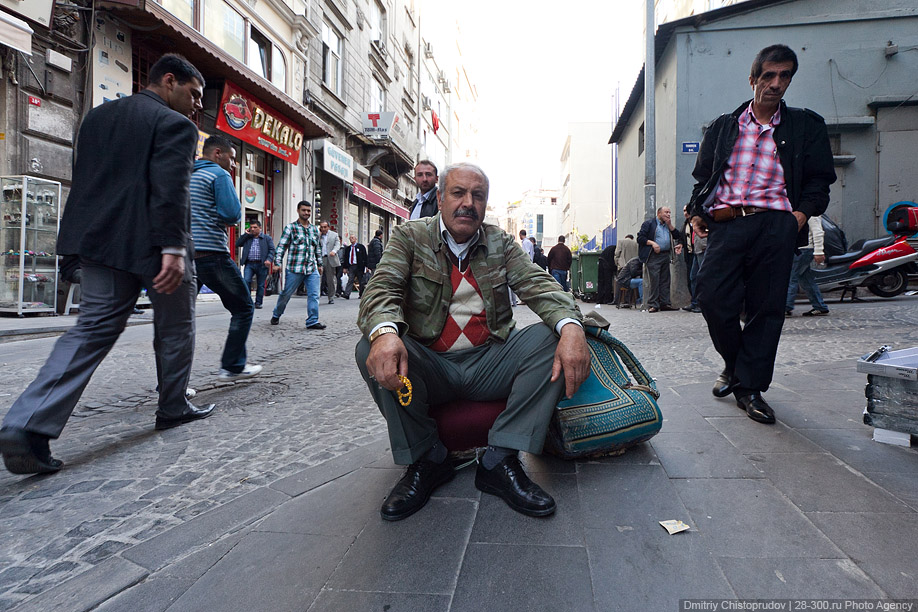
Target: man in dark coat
x=128 y=219
x=761 y=172
x=354 y=257
x=257 y=257
x=375 y=251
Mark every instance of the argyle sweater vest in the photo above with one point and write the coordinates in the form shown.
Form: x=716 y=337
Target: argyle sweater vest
x=467 y=323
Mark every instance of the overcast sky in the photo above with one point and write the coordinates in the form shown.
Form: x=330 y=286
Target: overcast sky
x=538 y=65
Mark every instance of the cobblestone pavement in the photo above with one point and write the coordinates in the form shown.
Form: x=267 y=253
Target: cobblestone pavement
x=124 y=483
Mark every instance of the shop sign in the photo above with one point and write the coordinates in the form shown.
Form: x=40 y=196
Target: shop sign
x=249 y=119
x=333 y=209
x=382 y=202
x=382 y=126
x=337 y=162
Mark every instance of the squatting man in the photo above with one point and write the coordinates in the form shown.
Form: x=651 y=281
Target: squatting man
x=437 y=311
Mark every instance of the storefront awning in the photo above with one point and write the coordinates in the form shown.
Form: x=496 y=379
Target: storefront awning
x=15 y=33
x=365 y=193
x=148 y=18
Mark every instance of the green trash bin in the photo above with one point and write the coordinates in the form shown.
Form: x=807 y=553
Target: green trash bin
x=589 y=275
x=574 y=280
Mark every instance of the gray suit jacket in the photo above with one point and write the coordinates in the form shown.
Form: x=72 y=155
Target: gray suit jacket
x=332 y=244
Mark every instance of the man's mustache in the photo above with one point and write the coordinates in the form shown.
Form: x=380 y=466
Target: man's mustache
x=471 y=213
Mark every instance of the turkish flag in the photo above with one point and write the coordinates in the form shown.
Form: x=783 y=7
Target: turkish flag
x=435 y=121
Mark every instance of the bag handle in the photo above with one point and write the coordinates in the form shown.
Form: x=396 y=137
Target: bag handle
x=644 y=381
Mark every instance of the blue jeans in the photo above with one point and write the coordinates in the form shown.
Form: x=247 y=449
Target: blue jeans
x=802 y=274
x=638 y=283
x=258 y=270
x=292 y=280
x=222 y=276
x=561 y=277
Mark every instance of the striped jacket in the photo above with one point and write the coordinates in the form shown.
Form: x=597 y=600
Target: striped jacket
x=214 y=205
x=411 y=285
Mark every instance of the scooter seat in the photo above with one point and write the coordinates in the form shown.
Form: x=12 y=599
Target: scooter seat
x=861 y=248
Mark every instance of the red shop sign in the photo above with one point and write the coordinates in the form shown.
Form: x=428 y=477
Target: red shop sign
x=385 y=203
x=248 y=118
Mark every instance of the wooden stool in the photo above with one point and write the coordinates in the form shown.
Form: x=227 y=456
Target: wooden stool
x=628 y=296
x=464 y=424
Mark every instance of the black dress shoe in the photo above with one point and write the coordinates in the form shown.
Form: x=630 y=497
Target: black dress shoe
x=724 y=384
x=257 y=306
x=192 y=415
x=508 y=481
x=667 y=308
x=316 y=326
x=25 y=452
x=411 y=492
x=757 y=408
x=275 y=320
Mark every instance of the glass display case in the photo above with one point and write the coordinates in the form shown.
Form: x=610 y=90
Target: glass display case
x=29 y=218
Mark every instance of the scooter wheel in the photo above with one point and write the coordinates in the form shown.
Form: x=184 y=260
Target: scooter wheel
x=889 y=284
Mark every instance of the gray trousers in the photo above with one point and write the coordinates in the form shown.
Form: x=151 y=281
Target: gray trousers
x=519 y=370
x=108 y=300
x=658 y=273
x=330 y=273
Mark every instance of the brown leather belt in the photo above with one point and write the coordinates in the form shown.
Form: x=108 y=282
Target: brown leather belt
x=732 y=212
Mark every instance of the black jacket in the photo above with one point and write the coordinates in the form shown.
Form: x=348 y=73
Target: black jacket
x=429 y=206
x=361 y=265
x=374 y=253
x=266 y=248
x=633 y=269
x=804 y=151
x=132 y=167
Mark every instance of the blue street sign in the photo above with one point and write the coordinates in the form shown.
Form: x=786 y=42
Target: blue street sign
x=690 y=147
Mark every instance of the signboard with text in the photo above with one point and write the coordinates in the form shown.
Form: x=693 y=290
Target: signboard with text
x=382 y=202
x=338 y=162
x=246 y=117
x=382 y=125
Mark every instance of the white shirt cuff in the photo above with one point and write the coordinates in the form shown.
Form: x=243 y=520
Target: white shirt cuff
x=180 y=251
x=564 y=322
x=383 y=324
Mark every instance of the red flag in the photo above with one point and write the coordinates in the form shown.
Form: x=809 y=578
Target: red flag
x=436 y=121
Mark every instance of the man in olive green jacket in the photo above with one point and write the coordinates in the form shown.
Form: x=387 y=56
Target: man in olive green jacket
x=438 y=311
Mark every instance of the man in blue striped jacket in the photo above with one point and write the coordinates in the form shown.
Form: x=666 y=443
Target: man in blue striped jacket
x=214 y=206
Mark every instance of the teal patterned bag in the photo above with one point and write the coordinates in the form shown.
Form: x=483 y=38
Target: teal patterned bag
x=610 y=412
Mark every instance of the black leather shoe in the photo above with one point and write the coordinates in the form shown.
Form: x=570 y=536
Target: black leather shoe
x=509 y=482
x=757 y=408
x=724 y=384
x=411 y=492
x=316 y=326
x=25 y=452
x=193 y=415
x=275 y=320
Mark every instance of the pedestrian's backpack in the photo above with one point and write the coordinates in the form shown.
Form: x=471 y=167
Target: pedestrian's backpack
x=610 y=412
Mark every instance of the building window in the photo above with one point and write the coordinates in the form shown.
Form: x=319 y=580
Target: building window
x=641 y=140
x=377 y=22
x=183 y=9
x=540 y=225
x=267 y=59
x=332 y=67
x=377 y=97
x=225 y=28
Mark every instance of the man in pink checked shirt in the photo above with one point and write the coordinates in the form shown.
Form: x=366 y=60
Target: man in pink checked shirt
x=761 y=172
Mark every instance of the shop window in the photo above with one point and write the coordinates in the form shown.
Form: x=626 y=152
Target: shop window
x=377 y=97
x=332 y=66
x=183 y=9
x=224 y=27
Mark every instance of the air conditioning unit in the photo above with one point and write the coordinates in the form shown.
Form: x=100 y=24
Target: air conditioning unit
x=441 y=76
x=425 y=102
x=428 y=50
x=380 y=46
x=446 y=86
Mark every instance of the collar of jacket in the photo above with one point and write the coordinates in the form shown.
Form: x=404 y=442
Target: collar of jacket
x=436 y=239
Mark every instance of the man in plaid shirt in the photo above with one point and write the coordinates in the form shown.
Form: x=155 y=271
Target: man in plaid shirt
x=761 y=172
x=302 y=238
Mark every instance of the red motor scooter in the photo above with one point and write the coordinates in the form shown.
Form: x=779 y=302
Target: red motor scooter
x=882 y=265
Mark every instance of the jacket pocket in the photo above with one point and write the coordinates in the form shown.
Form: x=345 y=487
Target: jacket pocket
x=425 y=289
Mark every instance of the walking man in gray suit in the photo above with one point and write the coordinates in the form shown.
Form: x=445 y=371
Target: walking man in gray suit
x=330 y=243
x=127 y=218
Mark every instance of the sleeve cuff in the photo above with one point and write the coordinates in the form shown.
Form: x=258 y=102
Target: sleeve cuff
x=387 y=324
x=180 y=251
x=564 y=322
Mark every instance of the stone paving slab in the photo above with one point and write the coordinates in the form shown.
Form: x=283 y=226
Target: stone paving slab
x=306 y=436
